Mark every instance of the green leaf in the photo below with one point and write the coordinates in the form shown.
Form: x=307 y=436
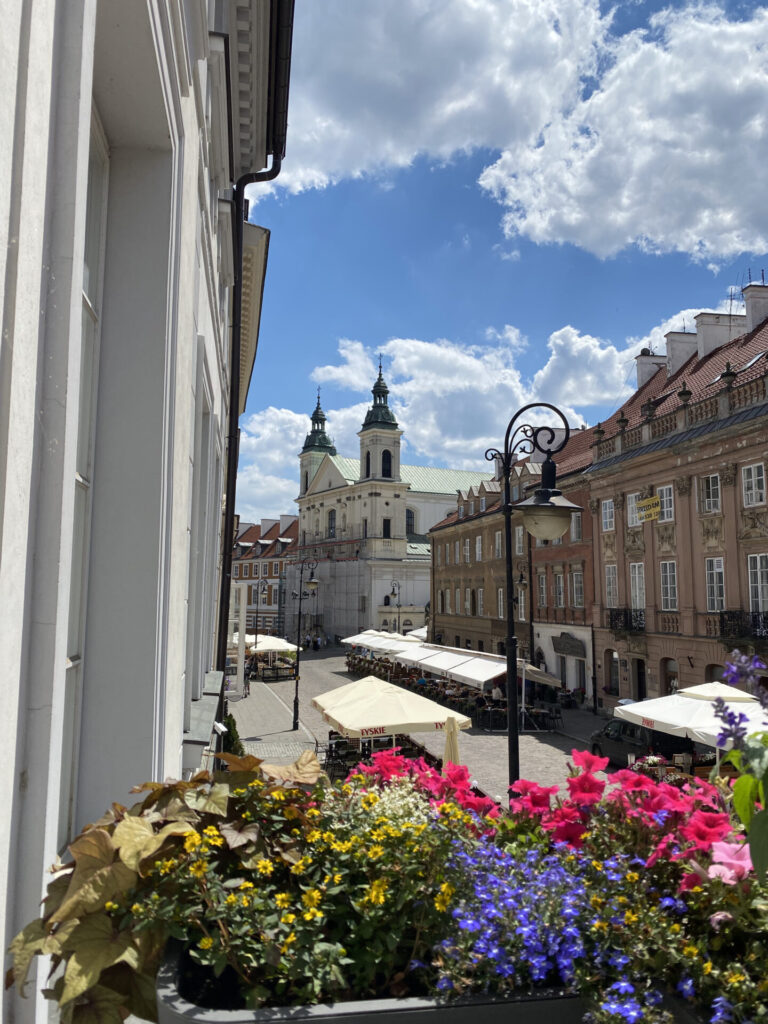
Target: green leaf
x=131 y=837
x=137 y=990
x=758 y=843
x=744 y=796
x=209 y=800
x=239 y=833
x=94 y=946
x=25 y=947
x=99 y=1006
x=95 y=889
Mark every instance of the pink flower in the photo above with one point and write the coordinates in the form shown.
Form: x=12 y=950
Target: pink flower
x=731 y=862
x=535 y=799
x=720 y=918
x=585 y=788
x=566 y=826
x=589 y=762
x=705 y=828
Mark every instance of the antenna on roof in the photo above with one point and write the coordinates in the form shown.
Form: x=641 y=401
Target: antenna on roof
x=762 y=276
x=749 y=272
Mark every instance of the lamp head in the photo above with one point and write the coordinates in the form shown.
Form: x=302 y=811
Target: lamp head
x=547 y=515
x=312 y=584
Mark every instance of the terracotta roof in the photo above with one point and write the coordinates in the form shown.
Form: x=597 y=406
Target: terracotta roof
x=453 y=518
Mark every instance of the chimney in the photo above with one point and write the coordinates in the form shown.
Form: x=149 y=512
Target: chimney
x=286 y=521
x=681 y=345
x=647 y=365
x=716 y=329
x=756 y=298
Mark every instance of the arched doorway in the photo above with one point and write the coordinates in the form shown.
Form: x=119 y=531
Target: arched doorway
x=611 y=672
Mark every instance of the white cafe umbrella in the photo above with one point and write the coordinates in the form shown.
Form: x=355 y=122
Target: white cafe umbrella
x=451 y=749
x=691 y=712
x=372 y=707
x=265 y=644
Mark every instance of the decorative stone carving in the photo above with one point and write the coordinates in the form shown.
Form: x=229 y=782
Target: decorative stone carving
x=665 y=538
x=754 y=523
x=634 y=542
x=646 y=492
x=594 y=505
x=712 y=532
x=683 y=485
x=618 y=502
x=609 y=546
x=637 y=645
x=729 y=473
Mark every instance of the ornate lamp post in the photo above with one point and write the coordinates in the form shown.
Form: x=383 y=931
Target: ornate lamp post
x=396 y=593
x=546 y=516
x=310 y=565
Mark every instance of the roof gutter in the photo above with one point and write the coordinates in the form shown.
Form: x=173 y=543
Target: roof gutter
x=281 y=28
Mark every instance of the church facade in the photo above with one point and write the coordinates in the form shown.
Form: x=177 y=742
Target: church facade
x=364 y=521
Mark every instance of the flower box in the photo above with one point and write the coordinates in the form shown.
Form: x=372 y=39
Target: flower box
x=559 y=1007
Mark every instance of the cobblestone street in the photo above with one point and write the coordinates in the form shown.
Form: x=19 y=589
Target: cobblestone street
x=264 y=721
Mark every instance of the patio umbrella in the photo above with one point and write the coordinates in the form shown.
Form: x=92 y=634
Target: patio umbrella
x=691 y=712
x=372 y=707
x=271 y=643
x=451 y=749
x=419 y=634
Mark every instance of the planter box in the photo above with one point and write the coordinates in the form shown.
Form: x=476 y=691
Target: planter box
x=558 y=1008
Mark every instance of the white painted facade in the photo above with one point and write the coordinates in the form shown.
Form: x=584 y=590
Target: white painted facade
x=115 y=288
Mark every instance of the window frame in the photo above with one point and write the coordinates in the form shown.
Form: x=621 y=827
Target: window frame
x=611 y=578
x=637 y=597
x=748 y=489
x=715 y=503
x=558 y=589
x=715 y=588
x=633 y=518
x=607 y=515
x=666 y=495
x=576 y=534
x=541 y=588
x=668 y=585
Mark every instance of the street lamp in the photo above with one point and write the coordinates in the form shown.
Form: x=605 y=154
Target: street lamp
x=547 y=516
x=310 y=566
x=396 y=593
x=261 y=590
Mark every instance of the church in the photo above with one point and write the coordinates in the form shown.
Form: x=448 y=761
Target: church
x=365 y=521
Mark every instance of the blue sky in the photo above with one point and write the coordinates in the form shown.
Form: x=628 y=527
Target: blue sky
x=506 y=199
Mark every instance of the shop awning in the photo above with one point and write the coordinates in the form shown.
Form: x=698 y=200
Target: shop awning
x=442 y=661
x=477 y=671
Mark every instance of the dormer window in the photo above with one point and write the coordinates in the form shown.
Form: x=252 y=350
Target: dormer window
x=482 y=504
x=461 y=511
x=471 y=508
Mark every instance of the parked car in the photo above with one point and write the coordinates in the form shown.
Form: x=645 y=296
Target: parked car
x=618 y=738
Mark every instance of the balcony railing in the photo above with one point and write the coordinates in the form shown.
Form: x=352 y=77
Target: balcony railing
x=626 y=620
x=743 y=624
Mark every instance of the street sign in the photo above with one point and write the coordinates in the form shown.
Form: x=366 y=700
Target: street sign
x=648 y=508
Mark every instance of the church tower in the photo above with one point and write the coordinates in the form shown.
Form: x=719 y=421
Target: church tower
x=316 y=446
x=380 y=438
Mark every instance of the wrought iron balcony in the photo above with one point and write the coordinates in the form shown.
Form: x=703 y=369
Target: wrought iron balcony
x=626 y=620
x=743 y=624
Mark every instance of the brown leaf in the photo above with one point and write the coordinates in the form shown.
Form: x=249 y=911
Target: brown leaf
x=28 y=943
x=95 y=945
x=130 y=837
x=57 y=890
x=249 y=763
x=239 y=833
x=305 y=770
x=137 y=990
x=208 y=799
x=100 y=1005
x=95 y=889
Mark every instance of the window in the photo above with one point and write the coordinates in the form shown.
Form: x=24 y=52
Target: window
x=478 y=549
x=447 y=601
x=467 y=601
x=236 y=571
x=447 y=554
x=608 y=522
x=575 y=525
x=264 y=569
x=715 y=577
x=753 y=480
x=457 y=595
x=611 y=587
x=386 y=463
x=439 y=555
x=440 y=602
x=332 y=522
x=632 y=517
x=519 y=531
x=275 y=568
x=637 y=585
x=667 y=503
x=577 y=588
x=246 y=570
x=410 y=521
x=386 y=528
x=473 y=604
x=521 y=603
x=466 y=550
x=365 y=527
x=482 y=504
x=497 y=544
x=559 y=591
x=456 y=556
x=367 y=464
x=461 y=511
x=500 y=602
x=471 y=508
x=541 y=584
x=757 y=566
x=668 y=586
x=710 y=493
x=556 y=540
x=480 y=607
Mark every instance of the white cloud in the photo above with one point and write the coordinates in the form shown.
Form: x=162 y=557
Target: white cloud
x=656 y=138
x=668 y=152
x=356 y=372
x=510 y=335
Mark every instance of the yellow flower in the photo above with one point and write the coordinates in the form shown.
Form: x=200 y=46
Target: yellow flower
x=311 y=914
x=311 y=898
x=342 y=847
x=328 y=837
x=630 y=917
x=192 y=841
x=244 y=901
x=239 y=792
x=136 y=908
x=735 y=977
x=621 y=900
x=301 y=866
x=375 y=852
x=600 y=926
x=287 y=942
x=198 y=868
x=346 y=789
x=377 y=891
x=632 y=876
x=443 y=898
x=707 y=967
x=313 y=813
x=287 y=919
x=596 y=901
x=691 y=951
x=277 y=795
x=166 y=866
x=291 y=812
x=231 y=899
x=377 y=834
x=265 y=867
x=212 y=836
x=674 y=928
x=597 y=865
x=206 y=942
x=369 y=800
x=282 y=900
x=313 y=835
x=337 y=878
x=110 y=905
x=256 y=784
x=245 y=885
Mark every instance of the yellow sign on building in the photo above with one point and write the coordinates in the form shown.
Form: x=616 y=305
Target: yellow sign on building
x=648 y=508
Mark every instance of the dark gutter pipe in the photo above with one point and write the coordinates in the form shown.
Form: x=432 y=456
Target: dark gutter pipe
x=277 y=120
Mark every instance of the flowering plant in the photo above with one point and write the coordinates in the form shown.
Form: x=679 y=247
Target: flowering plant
x=402 y=881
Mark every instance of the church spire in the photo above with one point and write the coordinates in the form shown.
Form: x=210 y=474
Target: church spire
x=317 y=438
x=379 y=414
